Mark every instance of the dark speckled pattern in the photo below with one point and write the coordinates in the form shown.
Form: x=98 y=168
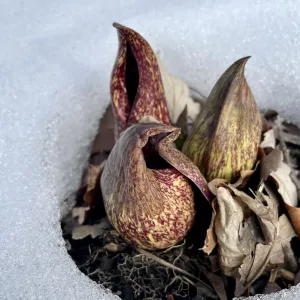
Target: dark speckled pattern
x=149 y=99
x=227 y=132
x=153 y=209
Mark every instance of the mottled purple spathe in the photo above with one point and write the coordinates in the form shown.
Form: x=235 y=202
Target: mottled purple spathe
x=153 y=209
x=149 y=99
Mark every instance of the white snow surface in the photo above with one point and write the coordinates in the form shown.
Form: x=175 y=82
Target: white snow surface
x=55 y=63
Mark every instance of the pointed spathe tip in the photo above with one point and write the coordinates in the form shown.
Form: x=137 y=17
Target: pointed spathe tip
x=246 y=57
x=240 y=64
x=116 y=24
x=119 y=26
x=126 y=31
x=242 y=61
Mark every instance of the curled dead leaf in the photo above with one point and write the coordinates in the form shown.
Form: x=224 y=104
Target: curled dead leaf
x=270 y=163
x=227 y=224
x=286 y=187
x=83 y=231
x=178 y=97
x=269 y=140
x=272 y=287
x=290 y=132
x=210 y=241
x=297 y=278
x=105 y=138
x=243 y=251
x=217 y=283
x=245 y=176
x=80 y=212
x=273 y=166
x=287 y=275
x=282 y=246
x=214 y=184
x=113 y=247
x=93 y=192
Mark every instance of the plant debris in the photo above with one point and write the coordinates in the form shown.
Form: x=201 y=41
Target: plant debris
x=250 y=242
x=262 y=241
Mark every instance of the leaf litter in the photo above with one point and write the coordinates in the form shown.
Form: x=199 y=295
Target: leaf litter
x=248 y=246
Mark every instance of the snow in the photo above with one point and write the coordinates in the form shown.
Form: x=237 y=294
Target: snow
x=55 y=62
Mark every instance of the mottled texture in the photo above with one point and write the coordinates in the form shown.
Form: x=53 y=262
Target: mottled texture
x=152 y=208
x=56 y=57
x=136 y=85
x=227 y=132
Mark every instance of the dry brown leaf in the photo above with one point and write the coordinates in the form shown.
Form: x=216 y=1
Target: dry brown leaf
x=80 y=212
x=286 y=187
x=244 y=178
x=294 y=214
x=177 y=94
x=277 y=252
x=217 y=283
x=265 y=209
x=203 y=291
x=269 y=163
x=83 y=231
x=297 y=278
x=267 y=213
x=266 y=125
x=93 y=188
x=287 y=275
x=240 y=184
x=113 y=247
x=214 y=263
x=282 y=246
x=272 y=287
x=243 y=253
x=214 y=184
x=105 y=138
x=290 y=132
x=211 y=240
x=269 y=140
x=252 y=267
x=227 y=225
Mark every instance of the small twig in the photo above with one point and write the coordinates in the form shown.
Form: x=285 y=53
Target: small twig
x=274 y=275
x=169 y=265
x=93 y=273
x=172 y=281
x=173 y=247
x=189 y=281
x=176 y=259
x=287 y=275
x=165 y=263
